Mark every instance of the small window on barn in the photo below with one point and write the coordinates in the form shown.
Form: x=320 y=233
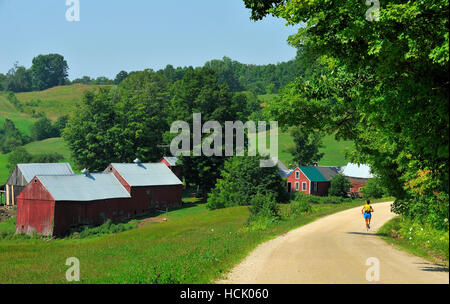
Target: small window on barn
x=304 y=186
x=315 y=186
x=35 y=181
x=110 y=168
x=297 y=186
x=297 y=175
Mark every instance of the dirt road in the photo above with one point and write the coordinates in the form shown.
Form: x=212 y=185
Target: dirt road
x=333 y=250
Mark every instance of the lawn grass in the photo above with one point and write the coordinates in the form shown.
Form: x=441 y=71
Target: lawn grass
x=422 y=241
x=194 y=246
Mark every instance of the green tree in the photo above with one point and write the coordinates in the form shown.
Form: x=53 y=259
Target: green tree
x=60 y=124
x=49 y=71
x=18 y=156
x=373 y=188
x=43 y=129
x=11 y=137
x=18 y=79
x=339 y=186
x=241 y=179
x=200 y=92
x=382 y=84
x=307 y=145
x=120 y=76
x=119 y=125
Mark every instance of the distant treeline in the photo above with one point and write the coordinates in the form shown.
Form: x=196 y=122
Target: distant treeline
x=51 y=70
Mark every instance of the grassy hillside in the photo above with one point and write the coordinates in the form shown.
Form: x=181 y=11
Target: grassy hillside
x=53 y=103
x=334 y=151
x=56 y=101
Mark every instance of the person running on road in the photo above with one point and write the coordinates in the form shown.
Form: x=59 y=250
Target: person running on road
x=367 y=213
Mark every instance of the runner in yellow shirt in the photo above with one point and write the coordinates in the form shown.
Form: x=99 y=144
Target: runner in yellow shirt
x=367 y=213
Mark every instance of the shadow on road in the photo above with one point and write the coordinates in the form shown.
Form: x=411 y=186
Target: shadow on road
x=362 y=233
x=432 y=268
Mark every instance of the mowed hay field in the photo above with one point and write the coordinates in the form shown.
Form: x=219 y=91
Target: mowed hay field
x=57 y=101
x=195 y=245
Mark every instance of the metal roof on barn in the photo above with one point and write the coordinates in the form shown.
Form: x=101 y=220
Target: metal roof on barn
x=172 y=160
x=313 y=174
x=24 y=173
x=149 y=174
x=328 y=172
x=90 y=187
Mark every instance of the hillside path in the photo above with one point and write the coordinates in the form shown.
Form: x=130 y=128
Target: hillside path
x=334 y=249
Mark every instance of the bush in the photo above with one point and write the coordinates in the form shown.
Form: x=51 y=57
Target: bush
x=108 y=227
x=300 y=207
x=264 y=205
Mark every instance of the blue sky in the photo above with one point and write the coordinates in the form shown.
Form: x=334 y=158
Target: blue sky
x=114 y=35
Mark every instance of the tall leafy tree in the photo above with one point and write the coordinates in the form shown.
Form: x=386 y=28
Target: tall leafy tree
x=307 y=145
x=200 y=92
x=49 y=71
x=118 y=125
x=241 y=180
x=18 y=79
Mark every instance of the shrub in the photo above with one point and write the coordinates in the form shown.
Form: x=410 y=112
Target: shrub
x=108 y=227
x=264 y=205
x=300 y=207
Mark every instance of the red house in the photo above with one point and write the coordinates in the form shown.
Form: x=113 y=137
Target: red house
x=310 y=180
x=152 y=185
x=172 y=163
x=51 y=205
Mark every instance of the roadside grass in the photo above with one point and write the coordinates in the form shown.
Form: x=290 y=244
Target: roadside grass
x=422 y=241
x=194 y=246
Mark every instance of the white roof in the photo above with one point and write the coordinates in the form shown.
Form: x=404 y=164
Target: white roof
x=356 y=170
x=31 y=170
x=137 y=175
x=91 y=187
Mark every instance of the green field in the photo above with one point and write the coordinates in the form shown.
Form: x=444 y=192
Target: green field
x=194 y=246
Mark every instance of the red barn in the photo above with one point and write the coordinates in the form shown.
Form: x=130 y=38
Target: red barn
x=51 y=205
x=358 y=175
x=172 y=163
x=153 y=185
